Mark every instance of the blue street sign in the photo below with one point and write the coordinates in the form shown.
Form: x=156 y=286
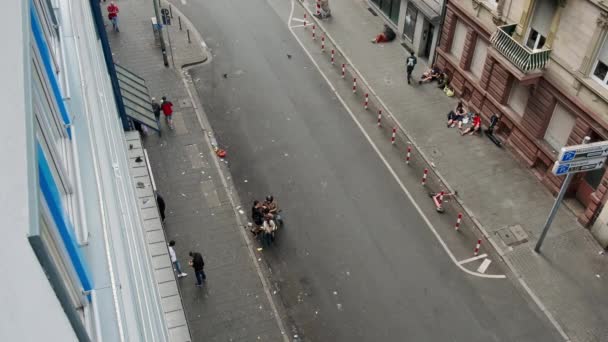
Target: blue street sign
x=568 y=156
x=585 y=151
x=562 y=170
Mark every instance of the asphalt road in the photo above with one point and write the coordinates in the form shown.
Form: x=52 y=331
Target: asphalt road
x=354 y=261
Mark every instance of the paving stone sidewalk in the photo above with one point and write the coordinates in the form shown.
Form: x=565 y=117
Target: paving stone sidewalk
x=571 y=276
x=232 y=306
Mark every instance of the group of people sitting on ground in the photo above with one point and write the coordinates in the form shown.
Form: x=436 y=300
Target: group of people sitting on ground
x=459 y=117
x=387 y=35
x=435 y=74
x=266 y=219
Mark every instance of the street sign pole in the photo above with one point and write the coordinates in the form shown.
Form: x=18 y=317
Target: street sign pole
x=556 y=205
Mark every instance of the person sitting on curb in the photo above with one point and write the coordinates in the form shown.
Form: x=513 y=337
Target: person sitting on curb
x=475 y=126
x=455 y=116
x=430 y=75
x=269 y=227
x=388 y=35
x=443 y=80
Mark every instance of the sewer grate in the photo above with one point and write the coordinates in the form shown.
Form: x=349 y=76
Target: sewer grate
x=513 y=235
x=372 y=11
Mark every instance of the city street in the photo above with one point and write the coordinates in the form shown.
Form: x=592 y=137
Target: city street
x=355 y=260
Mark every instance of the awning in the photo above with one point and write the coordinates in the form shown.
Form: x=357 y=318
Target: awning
x=432 y=14
x=135 y=97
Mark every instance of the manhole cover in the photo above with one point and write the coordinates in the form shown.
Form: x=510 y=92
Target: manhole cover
x=513 y=235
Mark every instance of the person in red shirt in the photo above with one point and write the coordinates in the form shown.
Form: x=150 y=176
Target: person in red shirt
x=113 y=15
x=475 y=126
x=167 y=108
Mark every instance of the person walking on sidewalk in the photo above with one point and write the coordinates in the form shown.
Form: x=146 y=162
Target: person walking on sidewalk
x=176 y=266
x=410 y=64
x=156 y=111
x=167 y=107
x=198 y=264
x=113 y=15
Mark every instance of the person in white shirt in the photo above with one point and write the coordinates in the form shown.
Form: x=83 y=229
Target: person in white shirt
x=176 y=266
x=269 y=228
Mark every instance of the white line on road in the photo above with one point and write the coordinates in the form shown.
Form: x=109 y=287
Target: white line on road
x=388 y=166
x=466 y=261
x=484 y=265
x=296 y=26
x=298 y=19
x=184 y=2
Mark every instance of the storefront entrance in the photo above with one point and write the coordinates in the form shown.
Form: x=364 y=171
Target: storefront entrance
x=390 y=8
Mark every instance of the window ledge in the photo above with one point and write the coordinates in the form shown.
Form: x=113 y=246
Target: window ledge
x=593 y=86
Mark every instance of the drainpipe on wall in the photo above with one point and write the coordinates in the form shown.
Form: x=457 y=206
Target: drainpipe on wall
x=444 y=9
x=107 y=54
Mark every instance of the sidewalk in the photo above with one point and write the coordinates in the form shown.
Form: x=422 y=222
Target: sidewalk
x=233 y=304
x=570 y=277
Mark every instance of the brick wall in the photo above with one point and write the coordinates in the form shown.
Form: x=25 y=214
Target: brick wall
x=499 y=84
x=469 y=49
x=580 y=130
x=539 y=110
x=449 y=26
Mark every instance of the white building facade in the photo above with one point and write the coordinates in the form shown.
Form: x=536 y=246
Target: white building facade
x=74 y=261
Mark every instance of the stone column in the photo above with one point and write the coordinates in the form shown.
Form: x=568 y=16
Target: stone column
x=597 y=40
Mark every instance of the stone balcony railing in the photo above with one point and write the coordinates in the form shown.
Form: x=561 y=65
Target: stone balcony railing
x=524 y=58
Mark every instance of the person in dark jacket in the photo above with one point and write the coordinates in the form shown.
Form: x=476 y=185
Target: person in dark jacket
x=156 y=110
x=161 y=206
x=198 y=264
x=257 y=216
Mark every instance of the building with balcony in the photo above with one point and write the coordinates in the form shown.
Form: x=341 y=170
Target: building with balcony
x=542 y=64
x=75 y=260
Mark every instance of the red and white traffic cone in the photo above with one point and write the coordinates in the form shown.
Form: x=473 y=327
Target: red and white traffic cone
x=394 y=135
x=477 y=248
x=458 y=220
x=305 y=20
x=409 y=153
x=343 y=70
x=318 y=8
x=379 y=117
x=426 y=172
x=332 y=56
x=440 y=199
x=354 y=85
x=313 y=32
x=323 y=43
x=366 y=101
